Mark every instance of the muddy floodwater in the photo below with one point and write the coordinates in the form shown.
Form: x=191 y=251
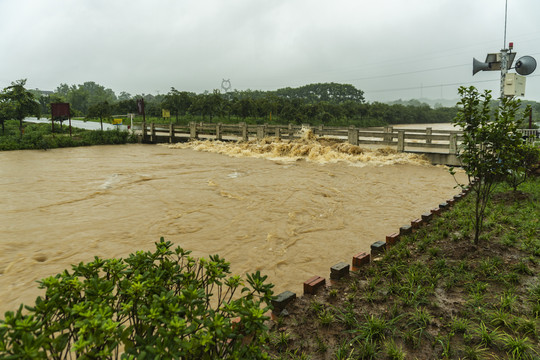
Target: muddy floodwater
x=289 y=211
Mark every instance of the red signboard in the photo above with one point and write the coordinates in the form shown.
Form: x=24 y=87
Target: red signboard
x=60 y=110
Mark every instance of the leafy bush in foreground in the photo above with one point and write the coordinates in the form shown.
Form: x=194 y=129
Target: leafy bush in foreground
x=161 y=304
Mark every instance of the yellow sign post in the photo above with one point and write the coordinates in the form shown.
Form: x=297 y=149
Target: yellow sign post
x=165 y=113
x=117 y=121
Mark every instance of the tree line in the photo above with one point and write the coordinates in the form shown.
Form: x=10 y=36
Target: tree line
x=321 y=103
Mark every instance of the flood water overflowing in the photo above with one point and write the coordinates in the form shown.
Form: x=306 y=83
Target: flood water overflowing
x=289 y=210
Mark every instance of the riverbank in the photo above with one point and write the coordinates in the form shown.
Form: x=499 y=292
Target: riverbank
x=434 y=295
x=39 y=136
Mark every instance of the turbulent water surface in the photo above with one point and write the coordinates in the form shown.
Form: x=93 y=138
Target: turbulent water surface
x=290 y=210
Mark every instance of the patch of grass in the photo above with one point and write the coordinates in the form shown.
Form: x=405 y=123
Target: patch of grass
x=280 y=339
x=326 y=317
x=346 y=316
x=344 y=351
x=373 y=328
x=394 y=352
x=508 y=300
x=501 y=318
x=434 y=251
x=446 y=348
x=523 y=268
x=366 y=349
x=476 y=352
x=518 y=347
x=485 y=336
x=420 y=318
x=459 y=325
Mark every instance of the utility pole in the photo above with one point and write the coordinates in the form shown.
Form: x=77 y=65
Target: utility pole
x=504 y=69
x=504 y=53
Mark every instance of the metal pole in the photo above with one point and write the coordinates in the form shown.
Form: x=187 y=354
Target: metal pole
x=504 y=52
x=505 y=19
x=504 y=69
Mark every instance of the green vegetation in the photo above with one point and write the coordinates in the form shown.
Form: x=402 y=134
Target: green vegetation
x=153 y=305
x=434 y=295
x=323 y=103
x=493 y=150
x=17 y=103
x=40 y=137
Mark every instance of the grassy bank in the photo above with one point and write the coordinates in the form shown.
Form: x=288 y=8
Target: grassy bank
x=39 y=136
x=434 y=295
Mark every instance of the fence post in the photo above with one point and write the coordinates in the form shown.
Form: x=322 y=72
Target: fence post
x=388 y=130
x=152 y=132
x=218 y=131
x=171 y=133
x=452 y=147
x=260 y=132
x=193 y=130
x=244 y=131
x=352 y=135
x=144 y=132
x=277 y=133
x=429 y=132
x=401 y=141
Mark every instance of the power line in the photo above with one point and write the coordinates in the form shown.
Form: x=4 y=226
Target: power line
x=430 y=86
x=408 y=72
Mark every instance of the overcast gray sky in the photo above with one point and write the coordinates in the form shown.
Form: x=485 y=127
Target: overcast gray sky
x=390 y=49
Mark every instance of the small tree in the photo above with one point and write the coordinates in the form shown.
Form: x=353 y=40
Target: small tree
x=21 y=103
x=100 y=110
x=491 y=145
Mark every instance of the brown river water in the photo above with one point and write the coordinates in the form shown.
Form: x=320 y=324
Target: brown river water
x=290 y=210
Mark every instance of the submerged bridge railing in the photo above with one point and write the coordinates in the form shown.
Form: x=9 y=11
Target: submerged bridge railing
x=440 y=146
x=428 y=139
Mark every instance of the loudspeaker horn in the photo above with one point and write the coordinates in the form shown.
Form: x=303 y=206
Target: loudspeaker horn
x=479 y=66
x=525 y=65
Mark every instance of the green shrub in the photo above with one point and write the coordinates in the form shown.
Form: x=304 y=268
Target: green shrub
x=161 y=304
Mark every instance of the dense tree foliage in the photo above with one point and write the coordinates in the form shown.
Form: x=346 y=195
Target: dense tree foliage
x=84 y=96
x=322 y=103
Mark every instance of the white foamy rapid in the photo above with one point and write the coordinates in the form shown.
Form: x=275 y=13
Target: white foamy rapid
x=309 y=147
